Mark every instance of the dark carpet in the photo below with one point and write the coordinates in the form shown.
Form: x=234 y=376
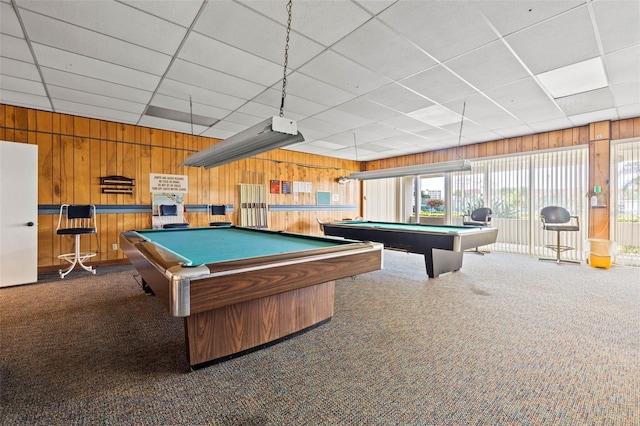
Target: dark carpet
x=506 y=340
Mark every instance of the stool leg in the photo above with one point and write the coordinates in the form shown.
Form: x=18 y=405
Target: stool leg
x=77 y=259
x=73 y=263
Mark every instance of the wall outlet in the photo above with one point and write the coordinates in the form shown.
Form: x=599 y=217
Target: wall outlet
x=114 y=246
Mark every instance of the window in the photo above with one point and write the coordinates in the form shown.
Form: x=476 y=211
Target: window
x=516 y=188
x=625 y=201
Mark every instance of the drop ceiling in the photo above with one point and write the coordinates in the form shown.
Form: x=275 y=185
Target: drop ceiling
x=366 y=79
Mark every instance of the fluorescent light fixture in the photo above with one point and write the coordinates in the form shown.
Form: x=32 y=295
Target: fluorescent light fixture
x=170 y=114
x=274 y=132
x=420 y=169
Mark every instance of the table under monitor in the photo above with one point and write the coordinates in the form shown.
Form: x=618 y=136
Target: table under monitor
x=240 y=288
x=442 y=245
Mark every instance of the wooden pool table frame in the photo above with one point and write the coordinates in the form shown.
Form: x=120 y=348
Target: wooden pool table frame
x=235 y=306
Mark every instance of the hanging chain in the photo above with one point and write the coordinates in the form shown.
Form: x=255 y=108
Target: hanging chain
x=286 y=59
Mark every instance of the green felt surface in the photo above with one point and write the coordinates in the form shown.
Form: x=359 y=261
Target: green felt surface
x=209 y=245
x=411 y=227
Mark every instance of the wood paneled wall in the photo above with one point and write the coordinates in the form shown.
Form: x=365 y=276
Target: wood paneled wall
x=74 y=152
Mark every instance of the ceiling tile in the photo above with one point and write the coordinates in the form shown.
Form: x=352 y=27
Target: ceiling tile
x=512 y=132
x=181 y=13
x=264 y=111
x=199 y=76
x=9 y=23
x=325 y=21
x=378 y=48
x=82 y=65
x=488 y=66
x=629 y=111
x=293 y=104
x=375 y=6
x=523 y=97
x=14 y=68
x=623 y=66
x=550 y=125
x=482 y=111
x=26 y=100
x=444 y=29
x=71 y=38
x=364 y=108
x=323 y=127
x=398 y=98
x=199 y=95
x=92 y=111
x=213 y=54
x=511 y=16
x=571 y=35
x=91 y=85
x=22 y=85
x=240 y=26
x=114 y=19
x=15 y=48
x=618 y=23
x=592 y=117
x=438 y=84
x=407 y=124
x=348 y=120
x=76 y=96
x=626 y=94
x=591 y=101
x=343 y=73
x=315 y=90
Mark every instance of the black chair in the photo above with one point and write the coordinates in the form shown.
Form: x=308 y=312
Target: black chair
x=169 y=217
x=219 y=210
x=78 y=220
x=479 y=217
x=558 y=219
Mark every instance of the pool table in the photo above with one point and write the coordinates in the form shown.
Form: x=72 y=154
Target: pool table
x=239 y=289
x=441 y=245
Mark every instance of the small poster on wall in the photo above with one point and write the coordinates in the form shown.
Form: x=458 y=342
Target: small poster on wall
x=275 y=186
x=286 y=187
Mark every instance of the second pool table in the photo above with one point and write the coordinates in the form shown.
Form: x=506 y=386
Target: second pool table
x=241 y=288
x=441 y=245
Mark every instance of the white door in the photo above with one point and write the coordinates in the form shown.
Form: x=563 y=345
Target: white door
x=18 y=213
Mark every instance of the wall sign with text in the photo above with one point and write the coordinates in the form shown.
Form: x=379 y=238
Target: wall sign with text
x=168 y=183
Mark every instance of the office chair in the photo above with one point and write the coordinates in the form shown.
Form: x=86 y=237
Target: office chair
x=558 y=219
x=169 y=217
x=479 y=217
x=79 y=220
x=219 y=210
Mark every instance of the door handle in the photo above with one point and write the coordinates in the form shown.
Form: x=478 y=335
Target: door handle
x=30 y=223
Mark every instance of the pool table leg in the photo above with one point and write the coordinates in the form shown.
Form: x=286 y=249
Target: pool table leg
x=442 y=261
x=228 y=330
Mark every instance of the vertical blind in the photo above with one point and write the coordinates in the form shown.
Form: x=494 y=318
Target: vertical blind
x=517 y=188
x=625 y=200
